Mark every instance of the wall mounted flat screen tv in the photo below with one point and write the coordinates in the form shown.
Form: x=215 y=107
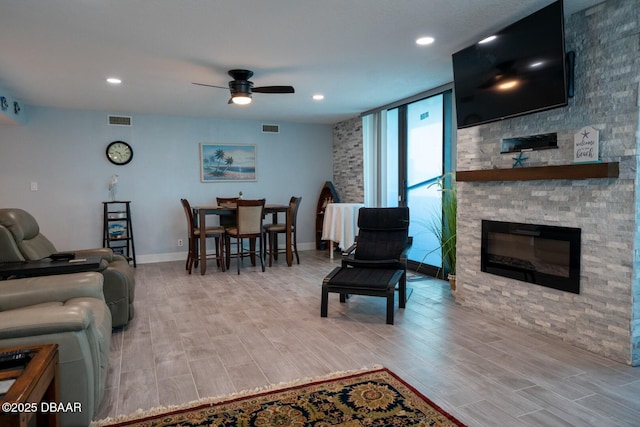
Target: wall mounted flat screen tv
x=518 y=70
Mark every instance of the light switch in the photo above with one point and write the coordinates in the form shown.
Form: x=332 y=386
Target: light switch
x=34 y=186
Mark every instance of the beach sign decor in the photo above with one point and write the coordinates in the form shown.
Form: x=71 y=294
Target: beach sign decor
x=227 y=162
x=586 y=145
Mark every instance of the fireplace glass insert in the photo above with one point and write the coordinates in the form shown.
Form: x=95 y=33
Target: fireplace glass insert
x=540 y=254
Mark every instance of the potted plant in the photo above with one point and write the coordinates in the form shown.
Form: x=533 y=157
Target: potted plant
x=443 y=226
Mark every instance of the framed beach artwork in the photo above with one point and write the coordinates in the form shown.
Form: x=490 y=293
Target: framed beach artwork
x=227 y=162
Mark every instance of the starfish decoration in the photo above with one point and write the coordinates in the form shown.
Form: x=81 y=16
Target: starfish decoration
x=585 y=134
x=519 y=160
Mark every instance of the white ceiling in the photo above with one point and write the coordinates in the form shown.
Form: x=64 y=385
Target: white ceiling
x=360 y=54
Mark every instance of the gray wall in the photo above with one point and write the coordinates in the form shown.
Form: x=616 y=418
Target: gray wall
x=64 y=152
x=604 y=317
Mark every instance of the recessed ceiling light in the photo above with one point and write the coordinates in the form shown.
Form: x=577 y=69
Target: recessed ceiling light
x=114 y=80
x=318 y=97
x=423 y=41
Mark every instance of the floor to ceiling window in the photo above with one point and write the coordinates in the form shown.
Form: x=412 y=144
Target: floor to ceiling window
x=412 y=150
x=425 y=165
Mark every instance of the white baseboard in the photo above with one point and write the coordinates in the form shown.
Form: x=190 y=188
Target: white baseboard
x=181 y=256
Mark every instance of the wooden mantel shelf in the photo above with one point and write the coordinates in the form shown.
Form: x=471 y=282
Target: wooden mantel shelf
x=575 y=171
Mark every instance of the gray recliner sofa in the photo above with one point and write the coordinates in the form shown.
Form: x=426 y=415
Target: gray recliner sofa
x=20 y=240
x=68 y=310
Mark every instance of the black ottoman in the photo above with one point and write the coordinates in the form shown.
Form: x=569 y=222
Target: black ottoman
x=363 y=281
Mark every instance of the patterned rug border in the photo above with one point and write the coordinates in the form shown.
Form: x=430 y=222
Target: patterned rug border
x=144 y=414
x=141 y=414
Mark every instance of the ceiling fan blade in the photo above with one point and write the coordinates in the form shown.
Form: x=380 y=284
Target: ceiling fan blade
x=274 y=89
x=204 y=84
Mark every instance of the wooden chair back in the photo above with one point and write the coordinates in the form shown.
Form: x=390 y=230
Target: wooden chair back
x=294 y=204
x=226 y=201
x=189 y=214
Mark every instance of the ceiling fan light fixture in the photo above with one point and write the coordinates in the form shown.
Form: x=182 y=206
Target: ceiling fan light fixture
x=241 y=98
x=241 y=88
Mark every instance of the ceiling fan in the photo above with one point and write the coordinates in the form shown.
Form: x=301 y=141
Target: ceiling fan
x=241 y=88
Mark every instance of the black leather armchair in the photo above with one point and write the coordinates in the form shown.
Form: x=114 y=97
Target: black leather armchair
x=377 y=261
x=383 y=240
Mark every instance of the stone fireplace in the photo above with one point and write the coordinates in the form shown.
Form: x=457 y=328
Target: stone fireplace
x=604 y=317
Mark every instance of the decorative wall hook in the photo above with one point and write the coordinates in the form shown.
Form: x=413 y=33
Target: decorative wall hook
x=4 y=104
x=16 y=107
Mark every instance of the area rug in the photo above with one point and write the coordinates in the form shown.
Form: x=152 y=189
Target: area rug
x=371 y=397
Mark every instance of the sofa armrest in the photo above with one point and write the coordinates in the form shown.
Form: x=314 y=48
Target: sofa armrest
x=43 y=320
x=19 y=293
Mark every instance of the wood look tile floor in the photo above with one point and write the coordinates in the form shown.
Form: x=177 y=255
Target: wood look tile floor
x=199 y=336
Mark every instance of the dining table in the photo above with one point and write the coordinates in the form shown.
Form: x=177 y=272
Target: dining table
x=201 y=212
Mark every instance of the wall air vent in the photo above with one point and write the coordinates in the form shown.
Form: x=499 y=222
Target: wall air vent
x=119 y=120
x=270 y=128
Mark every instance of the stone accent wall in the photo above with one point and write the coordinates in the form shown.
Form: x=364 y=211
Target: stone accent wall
x=348 y=178
x=604 y=317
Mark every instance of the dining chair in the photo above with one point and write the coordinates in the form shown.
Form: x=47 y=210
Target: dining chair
x=194 y=238
x=226 y=201
x=249 y=219
x=228 y=220
x=272 y=231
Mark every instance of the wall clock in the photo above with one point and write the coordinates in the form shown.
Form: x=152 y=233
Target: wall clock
x=119 y=153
